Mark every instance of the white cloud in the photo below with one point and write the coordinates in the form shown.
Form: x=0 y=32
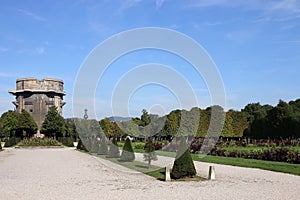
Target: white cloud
x=2 y=49
x=159 y=3
x=8 y=75
x=207 y=3
x=31 y=14
x=40 y=50
x=126 y=5
x=286 y=5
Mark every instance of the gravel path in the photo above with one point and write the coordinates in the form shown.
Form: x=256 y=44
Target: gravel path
x=68 y=174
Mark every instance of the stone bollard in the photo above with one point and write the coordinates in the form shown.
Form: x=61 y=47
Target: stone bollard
x=211 y=173
x=167 y=174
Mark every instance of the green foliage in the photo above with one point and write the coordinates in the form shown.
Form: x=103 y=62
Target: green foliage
x=66 y=141
x=17 y=124
x=12 y=141
x=138 y=145
x=127 y=153
x=183 y=164
x=113 y=149
x=281 y=121
x=71 y=128
x=145 y=118
x=40 y=142
x=26 y=126
x=106 y=126
x=54 y=124
x=103 y=150
x=172 y=123
x=81 y=146
x=149 y=154
x=9 y=122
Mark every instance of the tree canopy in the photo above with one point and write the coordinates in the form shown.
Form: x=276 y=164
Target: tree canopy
x=54 y=124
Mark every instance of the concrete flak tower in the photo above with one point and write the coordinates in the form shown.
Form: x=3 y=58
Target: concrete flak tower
x=37 y=96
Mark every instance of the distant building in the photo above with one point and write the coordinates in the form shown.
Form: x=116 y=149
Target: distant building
x=37 y=96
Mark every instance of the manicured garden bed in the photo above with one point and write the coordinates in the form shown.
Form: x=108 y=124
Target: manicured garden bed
x=40 y=142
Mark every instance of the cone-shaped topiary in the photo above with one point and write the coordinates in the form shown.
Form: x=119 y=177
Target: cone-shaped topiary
x=103 y=149
x=81 y=146
x=183 y=164
x=127 y=153
x=114 y=151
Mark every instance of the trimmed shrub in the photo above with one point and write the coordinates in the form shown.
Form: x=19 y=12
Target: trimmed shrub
x=103 y=149
x=12 y=141
x=66 y=141
x=183 y=164
x=114 y=151
x=40 y=142
x=138 y=145
x=127 y=153
x=81 y=146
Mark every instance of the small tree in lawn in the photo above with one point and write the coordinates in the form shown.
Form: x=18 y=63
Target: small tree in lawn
x=103 y=149
x=114 y=151
x=127 y=153
x=183 y=164
x=149 y=154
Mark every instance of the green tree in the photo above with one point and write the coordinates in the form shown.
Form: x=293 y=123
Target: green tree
x=145 y=118
x=54 y=124
x=9 y=122
x=106 y=127
x=127 y=153
x=71 y=129
x=149 y=154
x=183 y=164
x=26 y=126
x=280 y=121
x=172 y=123
x=114 y=151
x=239 y=122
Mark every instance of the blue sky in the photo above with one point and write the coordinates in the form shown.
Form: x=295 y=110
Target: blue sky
x=255 y=45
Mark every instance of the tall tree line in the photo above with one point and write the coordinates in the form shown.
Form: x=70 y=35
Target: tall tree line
x=281 y=121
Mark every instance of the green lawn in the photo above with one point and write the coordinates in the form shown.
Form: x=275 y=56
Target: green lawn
x=154 y=171
x=238 y=148
x=242 y=162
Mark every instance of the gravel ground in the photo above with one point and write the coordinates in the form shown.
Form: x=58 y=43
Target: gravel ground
x=68 y=174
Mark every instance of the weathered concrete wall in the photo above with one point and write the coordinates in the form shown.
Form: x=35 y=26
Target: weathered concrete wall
x=37 y=96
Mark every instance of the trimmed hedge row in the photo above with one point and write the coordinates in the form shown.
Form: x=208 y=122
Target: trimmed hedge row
x=40 y=142
x=12 y=141
x=273 y=154
x=66 y=141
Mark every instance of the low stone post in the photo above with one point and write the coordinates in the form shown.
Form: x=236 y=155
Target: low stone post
x=211 y=173
x=167 y=174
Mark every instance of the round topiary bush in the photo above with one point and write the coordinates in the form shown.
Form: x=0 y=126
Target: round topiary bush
x=183 y=164
x=127 y=153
